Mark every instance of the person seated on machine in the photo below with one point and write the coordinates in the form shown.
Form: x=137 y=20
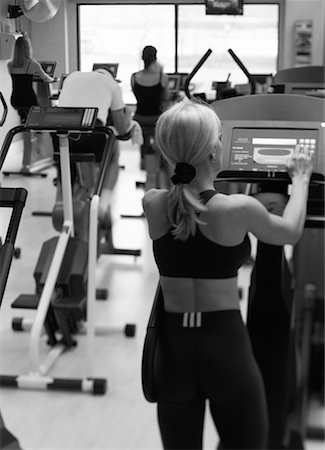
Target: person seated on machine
x=99 y=89
x=150 y=87
x=22 y=69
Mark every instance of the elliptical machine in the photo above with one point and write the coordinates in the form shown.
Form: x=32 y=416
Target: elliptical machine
x=259 y=133
x=65 y=272
x=14 y=198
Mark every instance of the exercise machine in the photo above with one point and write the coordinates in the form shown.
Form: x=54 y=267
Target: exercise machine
x=157 y=170
x=89 y=89
x=37 y=147
x=305 y=80
x=286 y=299
x=14 y=198
x=65 y=271
x=259 y=83
x=17 y=250
x=5 y=109
x=259 y=134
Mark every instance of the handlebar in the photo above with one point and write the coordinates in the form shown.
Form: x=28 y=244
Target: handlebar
x=14 y=198
x=194 y=71
x=106 y=158
x=107 y=155
x=251 y=79
x=5 y=109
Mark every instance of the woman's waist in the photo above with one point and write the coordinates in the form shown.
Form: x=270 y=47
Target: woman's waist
x=218 y=320
x=199 y=295
x=146 y=119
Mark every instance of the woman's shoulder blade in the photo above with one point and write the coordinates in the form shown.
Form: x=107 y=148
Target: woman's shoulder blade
x=154 y=196
x=155 y=209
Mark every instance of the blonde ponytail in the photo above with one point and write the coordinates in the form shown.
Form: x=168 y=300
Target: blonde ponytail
x=186 y=134
x=183 y=210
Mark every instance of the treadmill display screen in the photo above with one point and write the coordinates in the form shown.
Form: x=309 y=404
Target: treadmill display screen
x=61 y=118
x=267 y=150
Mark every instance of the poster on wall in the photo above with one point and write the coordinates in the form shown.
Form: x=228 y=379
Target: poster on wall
x=231 y=7
x=302 y=43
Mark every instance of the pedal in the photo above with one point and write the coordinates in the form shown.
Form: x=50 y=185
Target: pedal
x=67 y=303
x=26 y=301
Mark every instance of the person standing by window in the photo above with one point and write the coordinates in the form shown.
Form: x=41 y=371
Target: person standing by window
x=22 y=69
x=150 y=87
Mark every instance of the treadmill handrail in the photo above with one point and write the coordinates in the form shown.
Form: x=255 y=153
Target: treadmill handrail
x=194 y=71
x=16 y=199
x=106 y=158
x=22 y=128
x=243 y=68
x=5 y=109
x=7 y=142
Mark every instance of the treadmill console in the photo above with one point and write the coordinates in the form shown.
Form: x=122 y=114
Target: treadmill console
x=262 y=149
x=59 y=118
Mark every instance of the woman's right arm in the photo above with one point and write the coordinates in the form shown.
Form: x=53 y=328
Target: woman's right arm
x=285 y=229
x=37 y=69
x=164 y=83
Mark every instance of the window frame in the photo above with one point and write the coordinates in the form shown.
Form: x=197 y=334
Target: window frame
x=176 y=4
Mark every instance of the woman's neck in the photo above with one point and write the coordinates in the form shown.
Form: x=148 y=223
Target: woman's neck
x=204 y=179
x=154 y=67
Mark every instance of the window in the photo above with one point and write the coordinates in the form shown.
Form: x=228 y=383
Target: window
x=117 y=34
x=253 y=37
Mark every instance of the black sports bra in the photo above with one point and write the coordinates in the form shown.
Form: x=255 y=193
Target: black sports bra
x=198 y=256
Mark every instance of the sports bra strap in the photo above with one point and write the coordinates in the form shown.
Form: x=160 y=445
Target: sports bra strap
x=206 y=195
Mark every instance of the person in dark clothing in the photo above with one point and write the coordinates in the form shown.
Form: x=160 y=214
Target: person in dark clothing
x=150 y=87
x=200 y=240
x=22 y=69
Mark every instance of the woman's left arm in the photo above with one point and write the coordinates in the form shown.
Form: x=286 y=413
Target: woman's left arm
x=164 y=83
x=37 y=69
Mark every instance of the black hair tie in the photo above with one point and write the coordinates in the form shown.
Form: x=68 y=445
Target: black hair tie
x=184 y=173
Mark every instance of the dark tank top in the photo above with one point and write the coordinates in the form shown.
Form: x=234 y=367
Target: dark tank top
x=23 y=94
x=198 y=256
x=149 y=98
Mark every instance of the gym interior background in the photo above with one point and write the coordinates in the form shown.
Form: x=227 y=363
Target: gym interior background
x=80 y=34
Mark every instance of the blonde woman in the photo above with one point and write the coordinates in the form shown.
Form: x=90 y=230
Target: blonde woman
x=200 y=240
x=22 y=68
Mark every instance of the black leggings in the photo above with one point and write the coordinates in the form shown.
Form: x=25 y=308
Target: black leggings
x=213 y=362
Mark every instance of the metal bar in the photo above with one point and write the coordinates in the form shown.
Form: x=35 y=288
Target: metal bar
x=66 y=181
x=46 y=296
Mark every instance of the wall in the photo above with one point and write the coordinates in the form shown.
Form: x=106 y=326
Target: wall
x=49 y=43
x=304 y=9
x=7 y=26
x=50 y=40
x=57 y=38
x=293 y=10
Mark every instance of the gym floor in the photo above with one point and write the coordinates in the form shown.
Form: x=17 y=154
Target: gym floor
x=120 y=419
